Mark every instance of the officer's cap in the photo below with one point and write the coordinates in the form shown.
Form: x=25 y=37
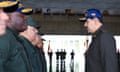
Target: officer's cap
x=92 y=13
x=32 y=23
x=8 y=5
x=23 y=10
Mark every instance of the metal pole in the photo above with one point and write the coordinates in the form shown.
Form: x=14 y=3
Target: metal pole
x=72 y=61
x=57 y=60
x=50 y=61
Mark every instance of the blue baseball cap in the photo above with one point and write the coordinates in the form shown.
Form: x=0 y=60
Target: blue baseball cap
x=92 y=13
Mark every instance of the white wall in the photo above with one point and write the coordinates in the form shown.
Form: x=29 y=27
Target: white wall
x=69 y=42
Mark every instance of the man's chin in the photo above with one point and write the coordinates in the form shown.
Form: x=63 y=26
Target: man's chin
x=23 y=29
x=89 y=32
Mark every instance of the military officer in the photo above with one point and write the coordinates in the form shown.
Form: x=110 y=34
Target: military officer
x=28 y=38
x=38 y=44
x=13 y=57
x=5 y=6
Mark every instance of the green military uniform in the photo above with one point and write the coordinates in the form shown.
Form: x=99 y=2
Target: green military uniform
x=42 y=55
x=12 y=55
x=32 y=54
x=35 y=56
x=42 y=59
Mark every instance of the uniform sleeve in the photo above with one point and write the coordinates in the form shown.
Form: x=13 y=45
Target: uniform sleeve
x=108 y=53
x=3 y=52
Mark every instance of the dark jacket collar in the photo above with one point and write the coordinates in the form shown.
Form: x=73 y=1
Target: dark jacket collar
x=15 y=33
x=99 y=31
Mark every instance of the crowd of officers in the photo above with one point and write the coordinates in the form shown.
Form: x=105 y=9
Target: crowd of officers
x=21 y=43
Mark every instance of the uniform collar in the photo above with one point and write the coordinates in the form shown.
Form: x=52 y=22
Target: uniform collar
x=13 y=31
x=99 y=31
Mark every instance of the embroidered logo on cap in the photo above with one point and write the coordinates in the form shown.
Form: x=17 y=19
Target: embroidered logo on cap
x=93 y=14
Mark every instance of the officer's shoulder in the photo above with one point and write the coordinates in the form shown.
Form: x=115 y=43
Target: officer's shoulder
x=6 y=37
x=106 y=34
x=4 y=41
x=23 y=39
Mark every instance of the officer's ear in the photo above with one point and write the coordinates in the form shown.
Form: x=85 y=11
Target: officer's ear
x=97 y=23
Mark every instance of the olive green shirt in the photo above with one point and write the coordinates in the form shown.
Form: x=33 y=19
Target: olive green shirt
x=33 y=55
x=12 y=55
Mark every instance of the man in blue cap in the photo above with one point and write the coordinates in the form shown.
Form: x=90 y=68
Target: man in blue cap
x=13 y=57
x=101 y=54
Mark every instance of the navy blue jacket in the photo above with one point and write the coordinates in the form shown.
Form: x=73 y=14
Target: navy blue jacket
x=101 y=55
